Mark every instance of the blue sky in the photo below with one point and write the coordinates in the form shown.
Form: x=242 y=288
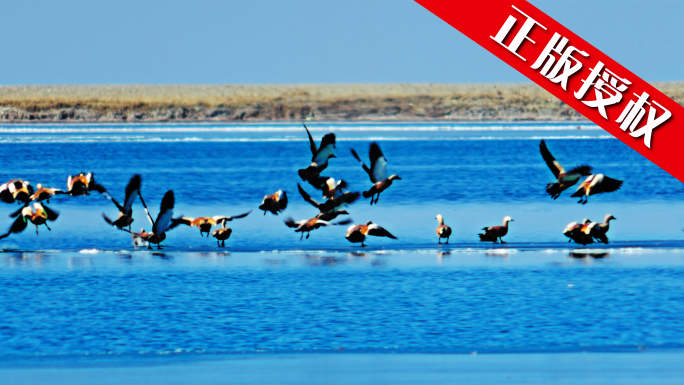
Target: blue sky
x=301 y=41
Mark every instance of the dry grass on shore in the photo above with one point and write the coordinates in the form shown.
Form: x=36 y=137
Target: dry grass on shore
x=289 y=102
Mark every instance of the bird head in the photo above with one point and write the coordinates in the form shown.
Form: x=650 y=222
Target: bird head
x=508 y=219
x=439 y=218
x=394 y=177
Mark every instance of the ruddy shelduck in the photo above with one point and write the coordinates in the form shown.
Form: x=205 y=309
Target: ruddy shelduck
x=564 y=179
x=494 y=233
x=377 y=172
x=596 y=184
x=443 y=231
x=358 y=233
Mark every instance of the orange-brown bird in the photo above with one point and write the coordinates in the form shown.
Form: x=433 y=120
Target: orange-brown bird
x=358 y=233
x=16 y=190
x=44 y=194
x=494 y=233
x=443 y=231
x=377 y=172
x=38 y=215
x=309 y=225
x=204 y=224
x=596 y=184
x=274 y=203
x=83 y=184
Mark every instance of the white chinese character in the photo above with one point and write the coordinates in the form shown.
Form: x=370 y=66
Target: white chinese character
x=520 y=37
x=567 y=62
x=609 y=84
x=632 y=114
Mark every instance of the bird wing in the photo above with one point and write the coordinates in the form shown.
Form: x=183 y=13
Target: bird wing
x=149 y=217
x=344 y=222
x=581 y=170
x=17 y=213
x=180 y=221
x=307 y=197
x=132 y=190
x=327 y=148
x=291 y=223
x=378 y=163
x=18 y=226
x=282 y=201
x=607 y=185
x=220 y=219
x=111 y=222
x=311 y=143
x=165 y=213
x=51 y=214
x=118 y=206
x=379 y=231
x=553 y=164
x=365 y=168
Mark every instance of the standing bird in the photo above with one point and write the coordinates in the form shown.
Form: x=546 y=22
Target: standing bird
x=16 y=190
x=331 y=208
x=319 y=160
x=222 y=234
x=38 y=215
x=274 y=203
x=308 y=225
x=377 y=172
x=44 y=194
x=204 y=224
x=596 y=184
x=575 y=232
x=83 y=184
x=494 y=233
x=599 y=231
x=564 y=179
x=443 y=231
x=126 y=211
x=162 y=223
x=358 y=233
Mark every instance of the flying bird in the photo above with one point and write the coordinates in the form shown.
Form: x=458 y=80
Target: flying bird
x=126 y=211
x=358 y=233
x=319 y=160
x=274 y=203
x=564 y=179
x=443 y=231
x=44 y=194
x=39 y=214
x=377 y=172
x=596 y=184
x=159 y=227
x=204 y=224
x=333 y=207
x=494 y=233
x=83 y=184
x=309 y=225
x=16 y=190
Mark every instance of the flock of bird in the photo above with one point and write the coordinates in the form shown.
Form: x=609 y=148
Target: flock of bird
x=335 y=203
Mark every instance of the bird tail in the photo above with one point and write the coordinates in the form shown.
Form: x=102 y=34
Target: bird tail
x=553 y=188
x=486 y=237
x=367 y=194
x=578 y=193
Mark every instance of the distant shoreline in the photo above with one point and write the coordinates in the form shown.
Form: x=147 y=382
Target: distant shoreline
x=372 y=103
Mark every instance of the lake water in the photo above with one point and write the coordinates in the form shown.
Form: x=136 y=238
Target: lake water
x=83 y=290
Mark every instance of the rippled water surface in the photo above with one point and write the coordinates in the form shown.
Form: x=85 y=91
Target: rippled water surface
x=82 y=288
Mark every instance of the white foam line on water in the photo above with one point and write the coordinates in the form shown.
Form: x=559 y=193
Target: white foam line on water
x=50 y=139
x=296 y=129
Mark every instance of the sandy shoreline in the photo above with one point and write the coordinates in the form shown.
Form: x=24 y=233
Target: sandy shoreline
x=317 y=102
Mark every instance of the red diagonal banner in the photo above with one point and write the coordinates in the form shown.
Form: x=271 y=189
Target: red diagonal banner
x=574 y=71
